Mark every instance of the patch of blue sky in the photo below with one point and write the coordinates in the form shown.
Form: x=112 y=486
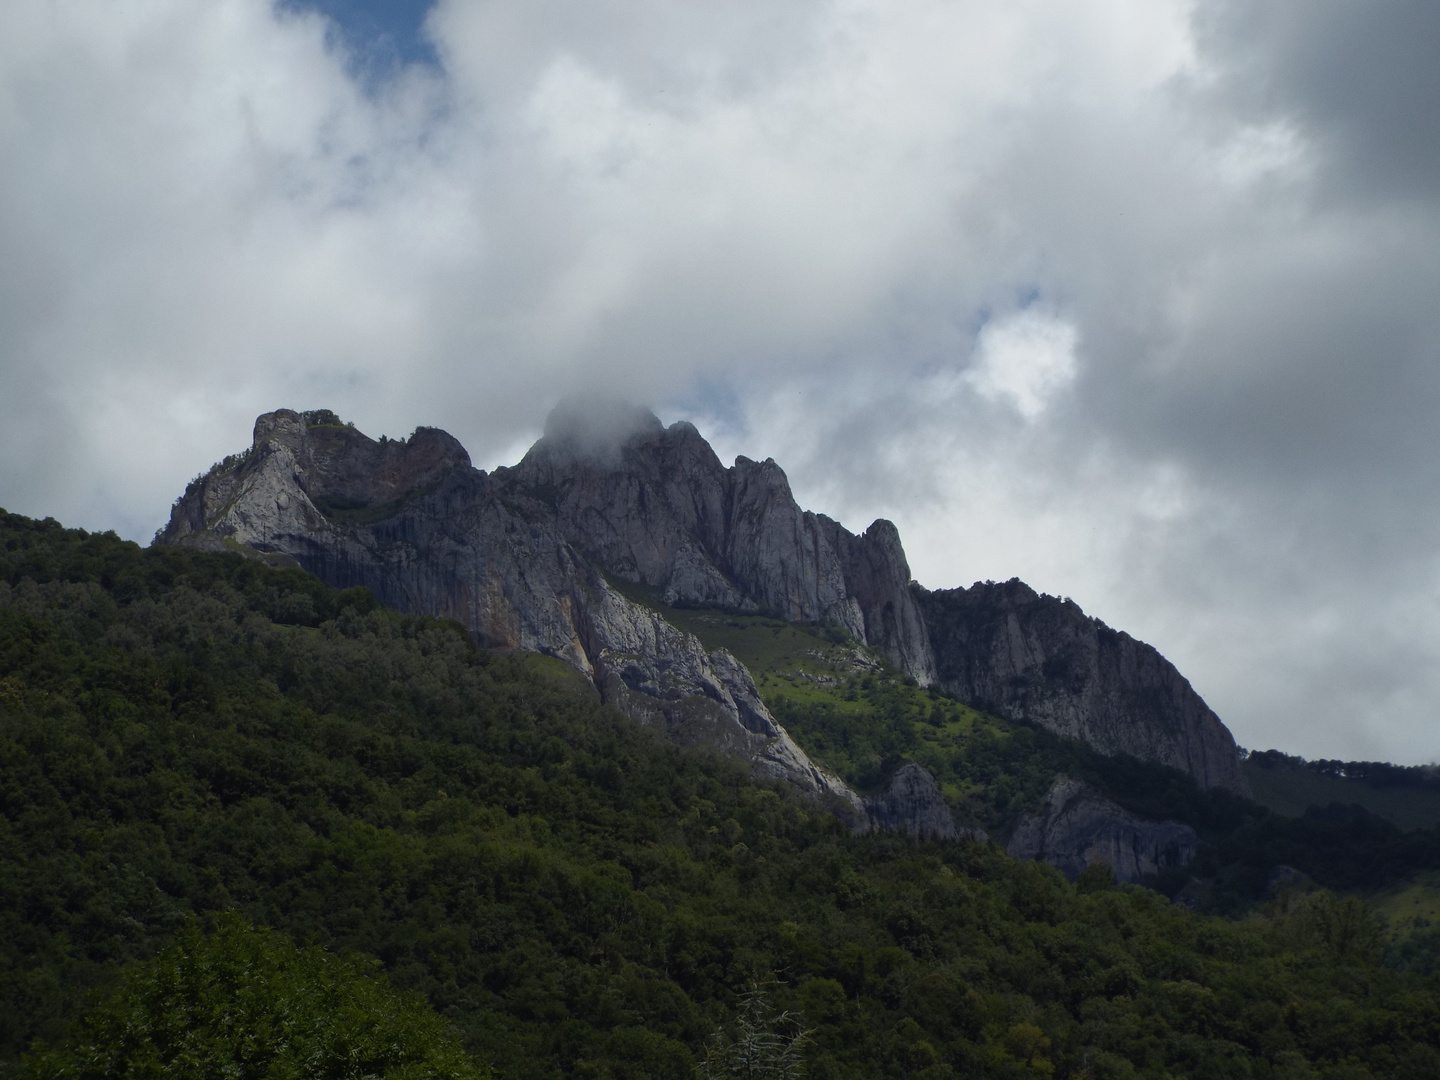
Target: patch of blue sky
x=714 y=398
x=380 y=36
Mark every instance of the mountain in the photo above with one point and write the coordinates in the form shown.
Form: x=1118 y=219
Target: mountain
x=654 y=505
x=533 y=557
x=427 y=533
x=1012 y=651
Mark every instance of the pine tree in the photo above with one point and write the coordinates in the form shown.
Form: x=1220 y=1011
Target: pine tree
x=762 y=1044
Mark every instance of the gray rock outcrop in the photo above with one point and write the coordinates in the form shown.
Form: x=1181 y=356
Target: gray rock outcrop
x=1078 y=827
x=912 y=804
x=1011 y=651
x=524 y=557
x=654 y=506
x=413 y=522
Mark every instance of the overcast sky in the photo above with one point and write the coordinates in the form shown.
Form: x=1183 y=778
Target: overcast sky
x=1138 y=300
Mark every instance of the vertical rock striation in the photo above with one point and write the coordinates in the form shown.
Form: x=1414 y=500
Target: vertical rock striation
x=1011 y=651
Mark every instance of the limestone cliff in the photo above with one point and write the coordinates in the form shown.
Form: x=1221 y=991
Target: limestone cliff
x=523 y=557
x=427 y=533
x=1078 y=827
x=1011 y=651
x=655 y=506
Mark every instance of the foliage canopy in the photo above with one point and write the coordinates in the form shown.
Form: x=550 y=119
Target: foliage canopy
x=241 y=1003
x=185 y=734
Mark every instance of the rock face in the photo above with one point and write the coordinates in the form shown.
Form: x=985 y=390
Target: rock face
x=913 y=805
x=427 y=533
x=524 y=557
x=1011 y=651
x=1078 y=827
x=655 y=506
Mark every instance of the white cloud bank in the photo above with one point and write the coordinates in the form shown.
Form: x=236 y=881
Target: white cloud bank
x=1023 y=360
x=1117 y=296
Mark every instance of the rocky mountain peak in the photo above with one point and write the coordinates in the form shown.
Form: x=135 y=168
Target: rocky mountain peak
x=764 y=477
x=427 y=533
x=525 y=557
x=1026 y=656
x=655 y=506
x=303 y=468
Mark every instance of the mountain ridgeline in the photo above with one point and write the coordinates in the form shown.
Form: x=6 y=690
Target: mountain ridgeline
x=543 y=557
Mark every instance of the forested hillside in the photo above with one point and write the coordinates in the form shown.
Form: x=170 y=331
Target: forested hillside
x=1407 y=796
x=184 y=735
x=858 y=716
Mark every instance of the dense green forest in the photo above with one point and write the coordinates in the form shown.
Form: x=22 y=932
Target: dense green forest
x=188 y=740
x=856 y=715
x=1379 y=775
x=239 y=1002
x=1406 y=795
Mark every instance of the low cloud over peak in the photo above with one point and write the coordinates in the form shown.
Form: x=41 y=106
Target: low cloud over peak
x=596 y=426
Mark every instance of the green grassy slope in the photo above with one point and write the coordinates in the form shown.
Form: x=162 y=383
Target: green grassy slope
x=1415 y=905
x=856 y=715
x=185 y=734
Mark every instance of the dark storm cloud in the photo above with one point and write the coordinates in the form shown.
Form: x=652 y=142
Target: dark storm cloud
x=1306 y=366
x=1305 y=370
x=1361 y=78
x=1313 y=360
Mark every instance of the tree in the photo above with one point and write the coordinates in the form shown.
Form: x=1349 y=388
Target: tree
x=241 y=1003
x=761 y=1044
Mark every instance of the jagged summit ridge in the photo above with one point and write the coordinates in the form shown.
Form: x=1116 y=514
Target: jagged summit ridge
x=415 y=523
x=658 y=508
x=524 y=557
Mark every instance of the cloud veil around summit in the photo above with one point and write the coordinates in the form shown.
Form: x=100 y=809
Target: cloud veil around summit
x=1134 y=300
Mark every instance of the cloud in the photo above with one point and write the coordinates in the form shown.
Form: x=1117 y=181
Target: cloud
x=1133 y=299
x=1023 y=360
x=1360 y=79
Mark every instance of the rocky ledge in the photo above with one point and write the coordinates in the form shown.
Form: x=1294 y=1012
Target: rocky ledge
x=1078 y=827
